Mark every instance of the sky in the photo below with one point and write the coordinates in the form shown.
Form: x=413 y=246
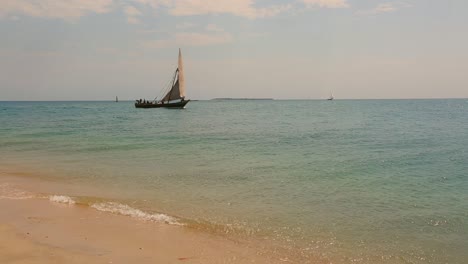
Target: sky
x=282 y=49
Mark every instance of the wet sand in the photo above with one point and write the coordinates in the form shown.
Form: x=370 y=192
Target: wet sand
x=34 y=229
x=39 y=231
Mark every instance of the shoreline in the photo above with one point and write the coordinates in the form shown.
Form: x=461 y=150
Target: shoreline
x=39 y=228
x=36 y=231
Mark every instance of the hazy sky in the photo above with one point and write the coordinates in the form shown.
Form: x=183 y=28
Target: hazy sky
x=99 y=49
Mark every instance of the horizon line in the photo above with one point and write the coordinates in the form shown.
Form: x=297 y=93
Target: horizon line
x=246 y=98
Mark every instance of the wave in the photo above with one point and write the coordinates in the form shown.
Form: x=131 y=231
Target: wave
x=7 y=191
x=61 y=199
x=123 y=209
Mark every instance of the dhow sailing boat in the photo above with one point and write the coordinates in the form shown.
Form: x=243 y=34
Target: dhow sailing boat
x=173 y=97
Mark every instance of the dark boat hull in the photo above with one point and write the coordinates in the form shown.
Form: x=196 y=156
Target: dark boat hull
x=180 y=104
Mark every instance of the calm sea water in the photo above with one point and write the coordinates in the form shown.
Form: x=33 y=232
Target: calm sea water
x=347 y=181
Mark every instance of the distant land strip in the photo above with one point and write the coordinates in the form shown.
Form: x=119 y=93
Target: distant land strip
x=242 y=99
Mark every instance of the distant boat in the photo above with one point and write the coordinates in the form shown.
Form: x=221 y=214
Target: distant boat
x=116 y=99
x=175 y=96
x=331 y=97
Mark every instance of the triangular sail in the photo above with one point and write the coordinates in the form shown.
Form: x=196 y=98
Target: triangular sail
x=178 y=88
x=181 y=76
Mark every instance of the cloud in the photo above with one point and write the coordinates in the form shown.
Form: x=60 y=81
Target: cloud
x=153 y=3
x=74 y=9
x=203 y=39
x=132 y=14
x=211 y=35
x=191 y=39
x=327 y=3
x=185 y=25
x=243 y=8
x=68 y=10
x=384 y=8
x=213 y=27
x=255 y=34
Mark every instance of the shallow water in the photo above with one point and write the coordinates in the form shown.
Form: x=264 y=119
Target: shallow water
x=371 y=181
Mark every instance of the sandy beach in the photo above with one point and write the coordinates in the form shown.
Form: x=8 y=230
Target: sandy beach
x=38 y=230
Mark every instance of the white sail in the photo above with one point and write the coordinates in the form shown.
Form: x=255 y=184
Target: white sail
x=181 y=76
x=178 y=88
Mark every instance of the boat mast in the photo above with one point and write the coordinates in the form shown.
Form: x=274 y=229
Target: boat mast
x=173 y=83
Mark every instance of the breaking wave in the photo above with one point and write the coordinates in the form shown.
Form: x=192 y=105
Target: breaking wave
x=123 y=209
x=61 y=199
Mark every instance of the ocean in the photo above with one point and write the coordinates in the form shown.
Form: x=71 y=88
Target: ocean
x=343 y=181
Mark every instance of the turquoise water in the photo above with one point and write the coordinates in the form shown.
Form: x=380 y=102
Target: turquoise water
x=345 y=181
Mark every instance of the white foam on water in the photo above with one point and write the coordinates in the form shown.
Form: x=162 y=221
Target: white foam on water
x=8 y=191
x=61 y=199
x=123 y=209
